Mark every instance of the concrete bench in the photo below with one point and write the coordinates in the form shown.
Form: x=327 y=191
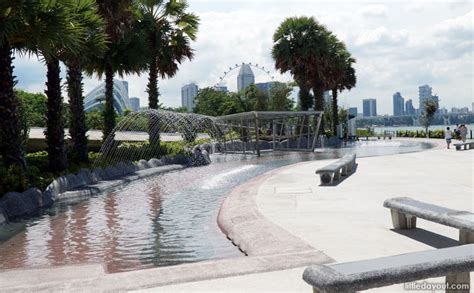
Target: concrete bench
x=405 y=210
x=333 y=172
x=454 y=262
x=464 y=146
x=351 y=163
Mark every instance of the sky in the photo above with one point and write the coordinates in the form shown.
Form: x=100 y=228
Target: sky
x=398 y=45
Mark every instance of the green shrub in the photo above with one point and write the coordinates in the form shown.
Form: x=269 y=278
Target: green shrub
x=438 y=133
x=38 y=160
x=37 y=174
x=12 y=179
x=361 y=132
x=39 y=179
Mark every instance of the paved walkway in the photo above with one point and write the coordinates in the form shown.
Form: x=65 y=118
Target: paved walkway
x=347 y=221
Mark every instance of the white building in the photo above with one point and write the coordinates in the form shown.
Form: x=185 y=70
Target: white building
x=95 y=99
x=188 y=93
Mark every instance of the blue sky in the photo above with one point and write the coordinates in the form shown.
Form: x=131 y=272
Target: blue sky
x=398 y=45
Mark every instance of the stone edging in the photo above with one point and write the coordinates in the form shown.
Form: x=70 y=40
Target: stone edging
x=240 y=220
x=17 y=206
x=162 y=276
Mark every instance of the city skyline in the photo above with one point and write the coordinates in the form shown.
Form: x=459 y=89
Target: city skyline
x=434 y=46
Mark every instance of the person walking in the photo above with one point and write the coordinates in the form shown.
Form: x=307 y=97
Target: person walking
x=448 y=135
x=457 y=133
x=463 y=133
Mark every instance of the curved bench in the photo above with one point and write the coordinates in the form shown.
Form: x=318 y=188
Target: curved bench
x=405 y=210
x=454 y=262
x=333 y=172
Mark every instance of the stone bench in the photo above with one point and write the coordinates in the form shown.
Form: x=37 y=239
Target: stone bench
x=334 y=171
x=464 y=146
x=454 y=263
x=405 y=210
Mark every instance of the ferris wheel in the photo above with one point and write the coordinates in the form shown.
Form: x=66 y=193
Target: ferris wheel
x=231 y=69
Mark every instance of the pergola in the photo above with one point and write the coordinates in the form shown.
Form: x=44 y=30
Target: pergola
x=279 y=130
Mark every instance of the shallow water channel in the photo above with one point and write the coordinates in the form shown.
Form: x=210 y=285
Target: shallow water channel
x=160 y=221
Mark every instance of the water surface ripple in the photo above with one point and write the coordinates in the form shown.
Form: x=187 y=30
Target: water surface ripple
x=160 y=221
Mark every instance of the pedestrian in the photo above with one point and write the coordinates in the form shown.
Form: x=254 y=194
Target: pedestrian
x=456 y=132
x=448 y=135
x=463 y=132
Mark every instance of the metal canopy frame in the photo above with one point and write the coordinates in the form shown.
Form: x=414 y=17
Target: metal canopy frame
x=287 y=130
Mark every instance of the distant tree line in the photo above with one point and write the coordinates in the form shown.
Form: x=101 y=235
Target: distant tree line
x=213 y=102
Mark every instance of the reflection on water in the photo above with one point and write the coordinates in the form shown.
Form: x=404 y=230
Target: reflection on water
x=164 y=220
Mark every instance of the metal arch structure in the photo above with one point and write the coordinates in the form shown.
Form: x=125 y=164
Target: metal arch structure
x=256 y=131
x=233 y=67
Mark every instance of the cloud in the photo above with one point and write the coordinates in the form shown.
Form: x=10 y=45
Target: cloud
x=459 y=28
x=408 y=47
x=374 y=10
x=381 y=36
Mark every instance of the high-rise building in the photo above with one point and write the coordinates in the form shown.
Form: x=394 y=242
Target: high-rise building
x=472 y=107
x=266 y=86
x=424 y=92
x=135 y=104
x=95 y=99
x=352 y=111
x=221 y=88
x=245 y=77
x=463 y=110
x=369 y=107
x=409 y=109
x=398 y=104
x=188 y=93
x=435 y=98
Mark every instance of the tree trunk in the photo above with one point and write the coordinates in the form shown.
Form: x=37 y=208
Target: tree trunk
x=318 y=92
x=11 y=145
x=305 y=96
x=335 y=116
x=54 y=118
x=152 y=87
x=318 y=98
x=152 y=90
x=77 y=125
x=109 y=111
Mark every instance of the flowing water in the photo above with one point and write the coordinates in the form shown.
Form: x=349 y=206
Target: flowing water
x=160 y=221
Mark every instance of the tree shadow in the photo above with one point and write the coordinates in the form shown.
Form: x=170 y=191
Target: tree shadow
x=427 y=237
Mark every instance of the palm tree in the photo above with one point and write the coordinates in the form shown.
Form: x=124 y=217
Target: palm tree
x=70 y=21
x=94 y=46
x=26 y=26
x=168 y=29
x=12 y=36
x=124 y=53
x=301 y=46
x=341 y=75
